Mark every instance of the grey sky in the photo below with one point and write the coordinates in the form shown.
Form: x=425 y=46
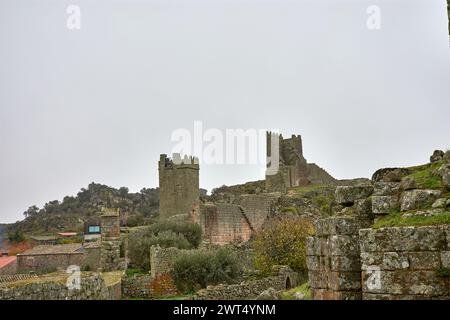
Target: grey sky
x=99 y=104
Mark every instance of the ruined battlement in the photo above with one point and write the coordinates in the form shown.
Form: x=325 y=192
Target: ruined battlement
x=179 y=188
x=187 y=162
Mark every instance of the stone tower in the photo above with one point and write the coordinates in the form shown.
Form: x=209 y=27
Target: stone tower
x=448 y=13
x=179 y=190
x=111 y=258
x=293 y=169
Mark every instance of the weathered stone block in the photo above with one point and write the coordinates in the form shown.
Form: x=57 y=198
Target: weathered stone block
x=427 y=238
x=345 y=263
x=445 y=259
x=417 y=199
x=311 y=246
x=424 y=260
x=404 y=283
x=342 y=281
x=363 y=208
x=384 y=204
x=345 y=225
x=343 y=245
x=386 y=188
x=384 y=261
x=313 y=263
x=347 y=195
x=318 y=279
x=390 y=174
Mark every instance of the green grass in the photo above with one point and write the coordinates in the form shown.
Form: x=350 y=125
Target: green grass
x=397 y=220
x=291 y=209
x=304 y=288
x=424 y=178
x=132 y=271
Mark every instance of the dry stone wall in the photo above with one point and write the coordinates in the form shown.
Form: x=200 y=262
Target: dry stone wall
x=333 y=259
x=405 y=262
x=284 y=278
x=53 y=287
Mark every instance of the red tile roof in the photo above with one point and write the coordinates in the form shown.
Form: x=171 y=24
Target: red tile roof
x=4 y=261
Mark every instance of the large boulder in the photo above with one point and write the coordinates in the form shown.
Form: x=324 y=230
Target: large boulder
x=437 y=155
x=390 y=174
x=386 y=188
x=347 y=195
x=384 y=204
x=418 y=198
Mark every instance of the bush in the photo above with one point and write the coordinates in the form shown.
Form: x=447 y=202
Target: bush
x=140 y=242
x=197 y=269
x=282 y=242
x=191 y=231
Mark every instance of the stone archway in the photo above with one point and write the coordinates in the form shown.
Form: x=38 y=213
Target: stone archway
x=288 y=283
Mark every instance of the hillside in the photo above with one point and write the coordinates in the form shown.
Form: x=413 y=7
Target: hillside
x=71 y=212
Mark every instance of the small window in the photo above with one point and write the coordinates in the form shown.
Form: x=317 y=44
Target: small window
x=94 y=229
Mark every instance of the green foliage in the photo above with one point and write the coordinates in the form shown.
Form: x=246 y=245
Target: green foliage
x=291 y=209
x=57 y=216
x=443 y=272
x=165 y=234
x=324 y=203
x=132 y=271
x=282 y=242
x=305 y=289
x=16 y=236
x=396 y=219
x=191 y=231
x=424 y=177
x=197 y=269
x=135 y=220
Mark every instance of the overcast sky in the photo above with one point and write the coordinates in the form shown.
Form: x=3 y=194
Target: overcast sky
x=100 y=103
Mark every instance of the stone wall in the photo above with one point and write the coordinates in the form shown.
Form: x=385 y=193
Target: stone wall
x=293 y=169
x=136 y=286
x=49 y=262
x=111 y=257
x=283 y=279
x=258 y=207
x=223 y=223
x=53 y=287
x=405 y=263
x=333 y=259
x=179 y=189
x=162 y=259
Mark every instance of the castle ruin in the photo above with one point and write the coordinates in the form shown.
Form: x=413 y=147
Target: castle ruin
x=293 y=169
x=179 y=189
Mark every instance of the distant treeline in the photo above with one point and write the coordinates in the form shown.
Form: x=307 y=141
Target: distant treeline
x=72 y=211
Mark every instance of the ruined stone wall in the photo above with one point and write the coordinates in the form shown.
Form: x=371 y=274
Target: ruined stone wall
x=223 y=223
x=162 y=259
x=333 y=259
x=293 y=169
x=111 y=258
x=405 y=263
x=53 y=287
x=258 y=207
x=49 y=262
x=179 y=189
x=282 y=280
x=92 y=259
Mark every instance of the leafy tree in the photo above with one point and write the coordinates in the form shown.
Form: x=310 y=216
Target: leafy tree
x=282 y=242
x=197 y=269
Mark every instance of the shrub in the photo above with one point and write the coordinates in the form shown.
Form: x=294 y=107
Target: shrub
x=191 y=231
x=140 y=242
x=197 y=269
x=282 y=242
